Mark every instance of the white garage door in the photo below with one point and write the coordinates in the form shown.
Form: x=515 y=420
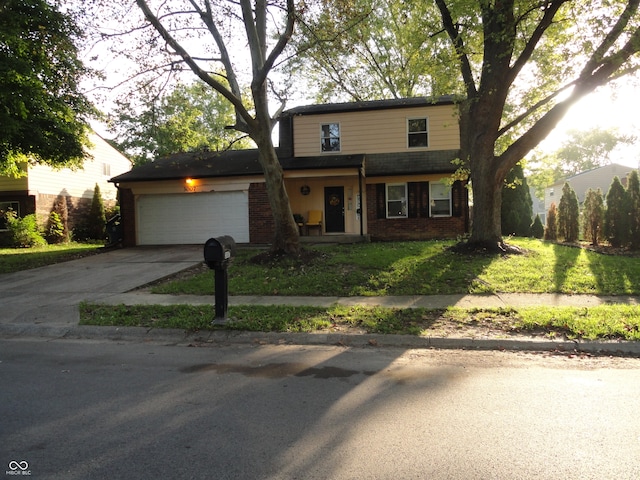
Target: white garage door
x=181 y=219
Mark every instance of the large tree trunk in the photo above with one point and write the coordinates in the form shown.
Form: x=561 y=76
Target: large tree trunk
x=488 y=172
x=286 y=237
x=487 y=203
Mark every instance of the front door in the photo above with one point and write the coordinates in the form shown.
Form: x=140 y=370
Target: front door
x=334 y=209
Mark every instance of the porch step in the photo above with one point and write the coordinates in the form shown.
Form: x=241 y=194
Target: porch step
x=341 y=238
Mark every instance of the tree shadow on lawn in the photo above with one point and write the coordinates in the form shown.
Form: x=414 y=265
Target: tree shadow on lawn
x=615 y=274
x=440 y=272
x=565 y=259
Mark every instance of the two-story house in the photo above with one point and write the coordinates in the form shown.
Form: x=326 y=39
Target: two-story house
x=597 y=178
x=40 y=185
x=378 y=169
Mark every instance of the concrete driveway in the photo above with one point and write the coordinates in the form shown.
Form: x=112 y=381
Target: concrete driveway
x=50 y=295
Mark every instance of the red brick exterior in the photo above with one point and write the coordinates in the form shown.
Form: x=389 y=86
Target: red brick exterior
x=77 y=208
x=261 y=226
x=419 y=228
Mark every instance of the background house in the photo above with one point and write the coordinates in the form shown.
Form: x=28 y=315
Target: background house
x=593 y=179
x=378 y=169
x=36 y=191
x=537 y=206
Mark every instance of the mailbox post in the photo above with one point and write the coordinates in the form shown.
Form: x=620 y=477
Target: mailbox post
x=218 y=254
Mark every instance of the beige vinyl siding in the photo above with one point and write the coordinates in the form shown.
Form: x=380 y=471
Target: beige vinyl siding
x=601 y=178
x=377 y=131
x=10 y=184
x=198 y=186
x=80 y=183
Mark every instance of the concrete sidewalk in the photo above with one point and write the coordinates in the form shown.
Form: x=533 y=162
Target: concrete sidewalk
x=409 y=301
x=508 y=342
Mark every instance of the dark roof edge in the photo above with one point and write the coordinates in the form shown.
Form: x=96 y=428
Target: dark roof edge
x=370 y=105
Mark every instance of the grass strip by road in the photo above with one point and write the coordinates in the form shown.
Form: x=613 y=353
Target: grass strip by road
x=601 y=322
x=17 y=259
x=424 y=268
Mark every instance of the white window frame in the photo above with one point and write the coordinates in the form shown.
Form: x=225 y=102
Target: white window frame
x=323 y=138
x=441 y=199
x=402 y=211
x=420 y=132
x=106 y=169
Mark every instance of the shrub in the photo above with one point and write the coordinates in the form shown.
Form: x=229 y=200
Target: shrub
x=58 y=224
x=537 y=229
x=593 y=214
x=568 y=215
x=97 y=218
x=551 y=230
x=55 y=229
x=24 y=231
x=516 y=204
x=616 y=216
x=633 y=192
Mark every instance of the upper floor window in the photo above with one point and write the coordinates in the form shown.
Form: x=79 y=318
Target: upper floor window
x=330 y=137
x=396 y=200
x=417 y=131
x=106 y=169
x=440 y=200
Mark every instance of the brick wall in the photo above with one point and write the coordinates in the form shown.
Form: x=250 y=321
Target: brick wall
x=77 y=209
x=261 y=226
x=411 y=228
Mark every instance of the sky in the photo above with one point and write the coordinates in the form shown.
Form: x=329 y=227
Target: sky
x=606 y=108
x=609 y=107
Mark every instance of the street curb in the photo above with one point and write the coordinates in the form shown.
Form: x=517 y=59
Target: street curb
x=180 y=337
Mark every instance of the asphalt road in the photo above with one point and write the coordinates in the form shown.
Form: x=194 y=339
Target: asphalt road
x=103 y=410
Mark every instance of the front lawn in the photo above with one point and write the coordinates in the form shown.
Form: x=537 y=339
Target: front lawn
x=16 y=259
x=424 y=268
x=406 y=268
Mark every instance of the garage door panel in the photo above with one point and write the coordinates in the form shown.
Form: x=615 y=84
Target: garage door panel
x=192 y=218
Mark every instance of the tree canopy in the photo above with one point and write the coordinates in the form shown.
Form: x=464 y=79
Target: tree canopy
x=43 y=112
x=233 y=47
x=582 y=150
x=373 y=49
x=190 y=117
x=520 y=66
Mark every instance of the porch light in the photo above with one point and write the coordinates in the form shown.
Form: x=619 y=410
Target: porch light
x=189 y=181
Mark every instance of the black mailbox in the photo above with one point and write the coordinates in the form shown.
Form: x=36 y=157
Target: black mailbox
x=219 y=251
x=218 y=254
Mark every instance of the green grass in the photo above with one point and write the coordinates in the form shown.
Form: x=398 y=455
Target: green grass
x=604 y=322
x=16 y=259
x=426 y=268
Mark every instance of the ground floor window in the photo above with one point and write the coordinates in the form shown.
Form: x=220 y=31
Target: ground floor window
x=440 y=200
x=6 y=207
x=396 y=200
x=420 y=200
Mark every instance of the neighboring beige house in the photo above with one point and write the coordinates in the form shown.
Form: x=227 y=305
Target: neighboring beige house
x=377 y=169
x=597 y=178
x=36 y=191
x=537 y=206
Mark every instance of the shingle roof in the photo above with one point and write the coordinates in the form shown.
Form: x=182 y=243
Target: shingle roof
x=370 y=105
x=408 y=163
x=231 y=163
x=195 y=165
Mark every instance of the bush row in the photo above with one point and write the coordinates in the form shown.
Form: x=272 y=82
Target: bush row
x=25 y=231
